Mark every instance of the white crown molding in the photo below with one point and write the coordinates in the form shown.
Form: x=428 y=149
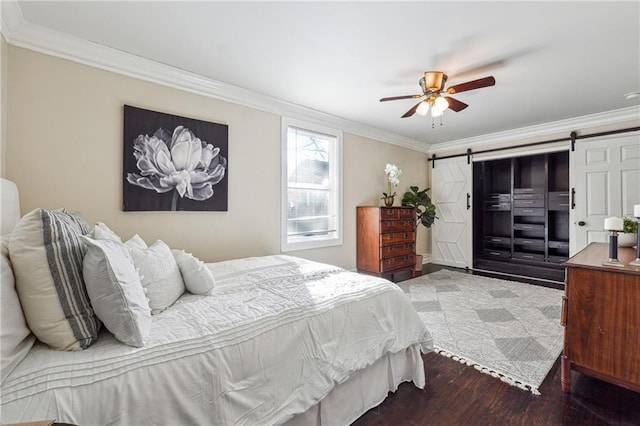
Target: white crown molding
x=18 y=32
x=569 y=125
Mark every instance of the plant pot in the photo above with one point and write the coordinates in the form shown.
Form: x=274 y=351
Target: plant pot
x=388 y=201
x=627 y=240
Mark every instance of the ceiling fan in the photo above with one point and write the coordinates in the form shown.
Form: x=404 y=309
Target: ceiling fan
x=432 y=85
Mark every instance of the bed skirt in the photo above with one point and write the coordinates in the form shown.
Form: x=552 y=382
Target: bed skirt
x=365 y=389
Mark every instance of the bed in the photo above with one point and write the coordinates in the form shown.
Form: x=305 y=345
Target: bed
x=279 y=340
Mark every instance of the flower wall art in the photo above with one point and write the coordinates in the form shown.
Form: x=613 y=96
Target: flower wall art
x=173 y=163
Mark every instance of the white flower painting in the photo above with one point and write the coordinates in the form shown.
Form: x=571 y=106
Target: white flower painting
x=175 y=167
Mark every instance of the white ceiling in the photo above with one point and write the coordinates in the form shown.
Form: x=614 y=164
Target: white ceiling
x=551 y=60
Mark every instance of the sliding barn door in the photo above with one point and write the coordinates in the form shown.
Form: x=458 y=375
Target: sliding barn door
x=606 y=180
x=451 y=233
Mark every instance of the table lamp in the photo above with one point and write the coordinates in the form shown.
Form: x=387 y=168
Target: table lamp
x=613 y=225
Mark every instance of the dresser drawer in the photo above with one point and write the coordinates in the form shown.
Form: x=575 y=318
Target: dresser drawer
x=496 y=254
x=559 y=201
x=395 y=213
x=396 y=250
x=497 y=206
x=557 y=205
x=498 y=197
x=397 y=237
x=497 y=240
x=528 y=227
x=526 y=191
x=529 y=196
x=398 y=262
x=563 y=245
x=528 y=211
x=559 y=195
x=557 y=259
x=396 y=225
x=528 y=203
x=529 y=243
x=536 y=257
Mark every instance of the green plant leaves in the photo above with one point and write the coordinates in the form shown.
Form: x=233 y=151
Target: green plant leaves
x=629 y=226
x=421 y=202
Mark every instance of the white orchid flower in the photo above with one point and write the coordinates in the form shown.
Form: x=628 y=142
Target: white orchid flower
x=392 y=171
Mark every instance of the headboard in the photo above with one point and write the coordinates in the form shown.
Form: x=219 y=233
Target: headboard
x=9 y=206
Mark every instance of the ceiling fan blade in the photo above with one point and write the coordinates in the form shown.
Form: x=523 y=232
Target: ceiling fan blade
x=455 y=104
x=412 y=110
x=471 y=85
x=395 y=98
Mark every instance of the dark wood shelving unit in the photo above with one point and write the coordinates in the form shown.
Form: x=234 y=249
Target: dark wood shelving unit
x=521 y=215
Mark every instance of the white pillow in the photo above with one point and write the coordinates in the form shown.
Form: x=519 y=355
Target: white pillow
x=136 y=242
x=115 y=291
x=103 y=232
x=197 y=278
x=159 y=274
x=15 y=336
x=46 y=255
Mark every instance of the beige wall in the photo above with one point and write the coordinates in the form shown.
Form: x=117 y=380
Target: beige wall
x=3 y=106
x=64 y=149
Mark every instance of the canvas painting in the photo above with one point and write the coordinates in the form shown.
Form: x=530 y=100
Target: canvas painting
x=173 y=163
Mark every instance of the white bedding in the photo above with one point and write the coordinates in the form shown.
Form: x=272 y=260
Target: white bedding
x=275 y=336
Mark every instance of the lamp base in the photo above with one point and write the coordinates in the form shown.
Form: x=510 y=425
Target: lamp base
x=635 y=262
x=613 y=262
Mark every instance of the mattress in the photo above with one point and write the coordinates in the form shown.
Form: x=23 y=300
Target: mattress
x=274 y=338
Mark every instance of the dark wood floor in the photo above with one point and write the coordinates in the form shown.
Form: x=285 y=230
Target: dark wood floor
x=457 y=394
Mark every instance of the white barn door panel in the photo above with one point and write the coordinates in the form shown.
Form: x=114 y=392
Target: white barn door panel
x=451 y=237
x=606 y=179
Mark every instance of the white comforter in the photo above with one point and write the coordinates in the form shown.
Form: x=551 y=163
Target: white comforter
x=277 y=334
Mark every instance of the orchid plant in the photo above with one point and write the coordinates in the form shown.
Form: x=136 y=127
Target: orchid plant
x=392 y=171
x=178 y=162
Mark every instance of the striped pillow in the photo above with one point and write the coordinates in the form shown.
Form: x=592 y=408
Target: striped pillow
x=46 y=253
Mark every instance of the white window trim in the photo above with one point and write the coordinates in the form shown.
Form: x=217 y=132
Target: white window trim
x=285 y=245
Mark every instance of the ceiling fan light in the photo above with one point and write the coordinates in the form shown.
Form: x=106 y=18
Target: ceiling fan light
x=436 y=112
x=423 y=108
x=441 y=103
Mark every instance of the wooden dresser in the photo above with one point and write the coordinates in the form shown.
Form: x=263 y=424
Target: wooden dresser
x=601 y=316
x=386 y=239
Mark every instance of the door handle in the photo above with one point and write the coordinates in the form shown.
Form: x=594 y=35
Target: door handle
x=468 y=198
x=582 y=223
x=573 y=199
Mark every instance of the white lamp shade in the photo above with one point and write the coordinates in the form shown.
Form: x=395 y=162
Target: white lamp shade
x=636 y=211
x=441 y=103
x=423 y=108
x=613 y=224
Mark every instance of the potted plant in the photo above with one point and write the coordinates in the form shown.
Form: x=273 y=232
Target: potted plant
x=421 y=202
x=425 y=211
x=393 y=172
x=629 y=234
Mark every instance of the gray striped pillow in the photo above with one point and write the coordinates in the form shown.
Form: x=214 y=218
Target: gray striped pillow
x=47 y=253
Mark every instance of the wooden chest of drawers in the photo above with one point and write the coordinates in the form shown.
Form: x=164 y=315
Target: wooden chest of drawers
x=386 y=239
x=601 y=318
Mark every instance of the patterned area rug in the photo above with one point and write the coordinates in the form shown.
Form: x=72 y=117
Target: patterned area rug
x=508 y=329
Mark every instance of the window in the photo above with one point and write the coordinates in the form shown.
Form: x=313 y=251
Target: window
x=311 y=186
